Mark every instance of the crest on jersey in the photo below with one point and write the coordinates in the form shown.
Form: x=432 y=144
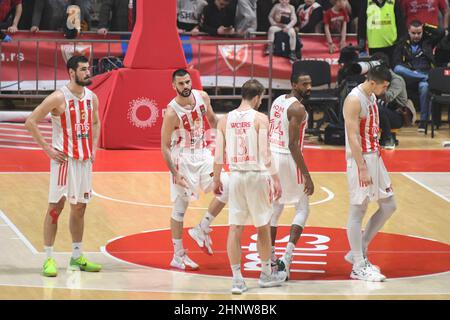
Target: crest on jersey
x=229 y=53
x=142 y=113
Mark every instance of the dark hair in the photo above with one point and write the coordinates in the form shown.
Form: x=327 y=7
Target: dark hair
x=251 y=89
x=379 y=74
x=179 y=73
x=381 y=56
x=416 y=23
x=73 y=62
x=296 y=76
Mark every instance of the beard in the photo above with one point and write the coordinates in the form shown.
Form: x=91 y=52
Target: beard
x=305 y=95
x=83 y=82
x=185 y=93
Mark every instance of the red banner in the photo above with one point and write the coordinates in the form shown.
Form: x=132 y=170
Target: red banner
x=245 y=60
x=36 y=60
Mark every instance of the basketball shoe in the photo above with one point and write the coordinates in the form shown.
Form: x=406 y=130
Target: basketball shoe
x=285 y=263
x=275 y=279
x=82 y=264
x=182 y=261
x=363 y=271
x=202 y=238
x=349 y=258
x=50 y=269
x=238 y=286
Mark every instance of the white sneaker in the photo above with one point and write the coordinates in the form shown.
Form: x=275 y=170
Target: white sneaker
x=349 y=258
x=363 y=271
x=202 y=238
x=286 y=260
x=182 y=261
x=239 y=286
x=275 y=279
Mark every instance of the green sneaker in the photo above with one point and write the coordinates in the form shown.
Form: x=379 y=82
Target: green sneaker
x=83 y=265
x=50 y=268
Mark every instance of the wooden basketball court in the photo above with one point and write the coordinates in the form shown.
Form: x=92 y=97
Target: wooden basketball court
x=127 y=223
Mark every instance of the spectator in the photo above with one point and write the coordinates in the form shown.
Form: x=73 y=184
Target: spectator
x=52 y=14
x=218 y=18
x=442 y=54
x=310 y=15
x=381 y=23
x=355 y=7
x=282 y=17
x=246 y=20
x=326 y=4
x=263 y=8
x=115 y=15
x=425 y=10
x=413 y=59
x=10 y=12
x=394 y=108
x=27 y=14
x=335 y=21
x=189 y=14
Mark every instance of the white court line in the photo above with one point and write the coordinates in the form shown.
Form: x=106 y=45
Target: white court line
x=44 y=132
x=19 y=136
x=427 y=187
x=330 y=196
x=19 y=234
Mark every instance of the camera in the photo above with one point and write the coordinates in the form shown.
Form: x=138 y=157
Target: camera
x=362 y=67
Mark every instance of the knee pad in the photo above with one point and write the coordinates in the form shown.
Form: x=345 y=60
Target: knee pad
x=179 y=209
x=277 y=209
x=301 y=213
x=224 y=178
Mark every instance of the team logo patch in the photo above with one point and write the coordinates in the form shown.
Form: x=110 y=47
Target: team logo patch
x=143 y=113
x=319 y=254
x=234 y=56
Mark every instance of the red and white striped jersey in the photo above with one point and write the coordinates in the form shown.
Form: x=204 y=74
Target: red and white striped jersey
x=368 y=123
x=72 y=130
x=191 y=132
x=279 y=125
x=242 y=147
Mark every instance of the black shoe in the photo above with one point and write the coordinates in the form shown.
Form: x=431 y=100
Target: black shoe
x=388 y=144
x=422 y=127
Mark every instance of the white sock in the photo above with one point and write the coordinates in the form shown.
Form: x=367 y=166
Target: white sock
x=356 y=215
x=206 y=221
x=290 y=248
x=236 y=269
x=76 y=250
x=177 y=245
x=49 y=251
x=265 y=267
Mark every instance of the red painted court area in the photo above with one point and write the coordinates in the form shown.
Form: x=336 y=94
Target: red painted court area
x=318 y=160
x=319 y=254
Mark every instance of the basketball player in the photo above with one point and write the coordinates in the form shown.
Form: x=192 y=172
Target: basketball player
x=75 y=132
x=183 y=145
x=288 y=121
x=243 y=133
x=367 y=177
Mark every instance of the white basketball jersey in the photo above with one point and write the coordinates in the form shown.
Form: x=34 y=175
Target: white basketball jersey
x=72 y=130
x=242 y=142
x=191 y=132
x=279 y=125
x=368 y=123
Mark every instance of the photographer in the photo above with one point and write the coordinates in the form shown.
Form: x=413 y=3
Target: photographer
x=395 y=111
x=414 y=58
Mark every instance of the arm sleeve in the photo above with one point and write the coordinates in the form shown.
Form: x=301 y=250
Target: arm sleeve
x=204 y=27
x=38 y=8
x=104 y=13
x=293 y=18
x=395 y=88
x=362 y=22
x=399 y=21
